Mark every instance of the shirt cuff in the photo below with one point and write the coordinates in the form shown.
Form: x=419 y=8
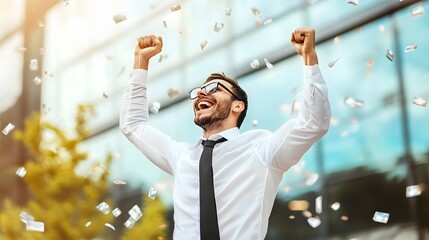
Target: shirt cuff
x=138 y=77
x=312 y=73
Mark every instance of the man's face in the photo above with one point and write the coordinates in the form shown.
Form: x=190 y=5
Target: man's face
x=211 y=109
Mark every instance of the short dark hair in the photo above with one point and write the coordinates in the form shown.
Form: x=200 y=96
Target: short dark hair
x=237 y=90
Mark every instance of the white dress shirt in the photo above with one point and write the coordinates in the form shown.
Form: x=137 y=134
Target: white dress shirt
x=247 y=169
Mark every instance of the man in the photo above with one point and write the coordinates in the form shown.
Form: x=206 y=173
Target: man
x=246 y=168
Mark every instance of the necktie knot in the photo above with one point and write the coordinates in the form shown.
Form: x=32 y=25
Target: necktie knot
x=212 y=143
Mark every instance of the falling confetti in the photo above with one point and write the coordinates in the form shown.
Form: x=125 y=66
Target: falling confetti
x=419 y=101
x=9 y=127
x=37 y=80
x=390 y=55
x=103 y=207
x=154 y=107
x=318 y=204
x=129 y=223
x=116 y=212
x=314 y=222
x=25 y=217
x=410 y=48
x=307 y=214
x=105 y=95
x=312 y=179
x=413 y=191
x=256 y=12
x=335 y=206
x=228 y=11
x=218 y=26
x=291 y=217
x=45 y=109
x=176 y=7
x=203 y=44
x=34 y=65
x=35 y=226
x=119 y=18
x=48 y=74
x=135 y=213
x=381 y=217
x=164 y=23
x=152 y=193
x=344 y=218
x=332 y=63
x=110 y=226
x=254 y=64
x=88 y=224
x=417 y=11
x=382 y=28
x=353 y=2
x=172 y=92
x=268 y=64
x=268 y=21
x=21 y=172
x=255 y=123
x=118 y=182
x=160 y=58
x=351 y=102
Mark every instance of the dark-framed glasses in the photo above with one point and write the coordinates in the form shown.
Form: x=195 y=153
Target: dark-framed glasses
x=210 y=89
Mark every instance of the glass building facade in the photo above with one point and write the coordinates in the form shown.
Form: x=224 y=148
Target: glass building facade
x=378 y=142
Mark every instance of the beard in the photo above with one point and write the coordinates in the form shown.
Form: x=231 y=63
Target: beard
x=216 y=118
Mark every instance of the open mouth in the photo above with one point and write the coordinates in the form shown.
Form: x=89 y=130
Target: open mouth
x=202 y=105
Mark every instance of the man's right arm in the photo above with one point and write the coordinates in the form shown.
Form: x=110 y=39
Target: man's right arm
x=134 y=116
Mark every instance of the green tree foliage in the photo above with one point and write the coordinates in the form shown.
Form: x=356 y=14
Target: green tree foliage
x=153 y=224
x=63 y=200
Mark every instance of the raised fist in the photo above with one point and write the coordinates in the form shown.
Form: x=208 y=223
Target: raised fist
x=303 y=39
x=148 y=46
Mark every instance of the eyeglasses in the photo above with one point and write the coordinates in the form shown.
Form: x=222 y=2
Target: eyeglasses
x=210 y=89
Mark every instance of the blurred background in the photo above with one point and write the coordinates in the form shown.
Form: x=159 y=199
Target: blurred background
x=366 y=179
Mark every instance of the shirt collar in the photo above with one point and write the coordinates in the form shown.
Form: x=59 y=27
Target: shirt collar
x=228 y=134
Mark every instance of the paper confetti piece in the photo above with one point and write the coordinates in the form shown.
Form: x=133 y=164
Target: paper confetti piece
x=228 y=11
x=35 y=226
x=410 y=48
x=175 y=8
x=21 y=172
x=119 y=18
x=413 y=191
x=9 y=127
x=390 y=55
x=203 y=44
x=332 y=63
x=218 y=26
x=110 y=226
x=381 y=217
x=417 y=11
x=314 y=222
x=103 y=207
x=254 y=64
x=268 y=64
x=152 y=193
x=353 y=2
x=419 y=101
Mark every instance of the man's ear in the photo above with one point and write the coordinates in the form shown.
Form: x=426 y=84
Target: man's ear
x=237 y=106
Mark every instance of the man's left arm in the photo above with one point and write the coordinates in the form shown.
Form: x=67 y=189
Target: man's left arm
x=289 y=143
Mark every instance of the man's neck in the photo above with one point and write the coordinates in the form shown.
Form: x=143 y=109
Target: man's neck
x=209 y=132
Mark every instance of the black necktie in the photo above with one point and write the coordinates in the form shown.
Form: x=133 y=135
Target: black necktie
x=209 y=228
